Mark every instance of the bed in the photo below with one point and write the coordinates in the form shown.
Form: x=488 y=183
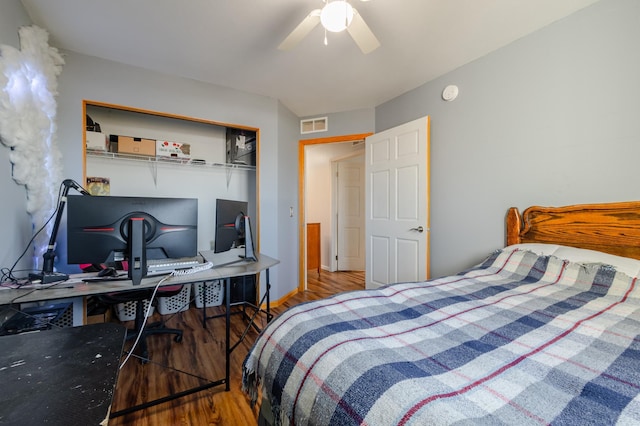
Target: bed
x=543 y=331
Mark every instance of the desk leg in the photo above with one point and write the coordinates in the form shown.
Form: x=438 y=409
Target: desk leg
x=227 y=336
x=268 y=290
x=204 y=304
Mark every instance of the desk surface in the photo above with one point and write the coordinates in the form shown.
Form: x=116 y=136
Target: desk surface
x=63 y=376
x=79 y=288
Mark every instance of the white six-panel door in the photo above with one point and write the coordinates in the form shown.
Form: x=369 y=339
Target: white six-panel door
x=350 y=215
x=397 y=204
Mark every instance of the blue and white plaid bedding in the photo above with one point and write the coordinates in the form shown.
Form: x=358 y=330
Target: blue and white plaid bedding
x=520 y=339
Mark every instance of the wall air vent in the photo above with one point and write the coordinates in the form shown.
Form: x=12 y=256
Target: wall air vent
x=313 y=125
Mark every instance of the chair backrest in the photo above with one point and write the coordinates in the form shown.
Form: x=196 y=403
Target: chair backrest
x=169 y=290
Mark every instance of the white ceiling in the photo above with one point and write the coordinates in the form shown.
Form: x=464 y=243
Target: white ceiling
x=233 y=43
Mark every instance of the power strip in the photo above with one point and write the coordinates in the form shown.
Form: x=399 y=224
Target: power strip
x=194 y=270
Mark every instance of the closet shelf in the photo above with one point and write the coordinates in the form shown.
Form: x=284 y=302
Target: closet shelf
x=166 y=160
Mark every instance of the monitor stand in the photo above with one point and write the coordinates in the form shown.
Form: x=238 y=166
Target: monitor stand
x=226 y=258
x=249 y=251
x=137 y=250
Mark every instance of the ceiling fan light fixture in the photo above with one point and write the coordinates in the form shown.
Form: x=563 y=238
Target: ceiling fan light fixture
x=336 y=16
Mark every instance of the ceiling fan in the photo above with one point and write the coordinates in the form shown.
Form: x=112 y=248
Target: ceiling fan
x=335 y=16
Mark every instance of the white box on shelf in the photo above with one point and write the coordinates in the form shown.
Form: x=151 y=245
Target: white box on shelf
x=210 y=293
x=176 y=303
x=173 y=149
x=96 y=141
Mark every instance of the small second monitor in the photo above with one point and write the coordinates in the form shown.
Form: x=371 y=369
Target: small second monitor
x=227 y=235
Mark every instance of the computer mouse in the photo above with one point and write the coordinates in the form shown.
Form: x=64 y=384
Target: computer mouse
x=108 y=272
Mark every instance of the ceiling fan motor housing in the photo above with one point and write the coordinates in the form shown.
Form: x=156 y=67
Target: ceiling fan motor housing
x=336 y=16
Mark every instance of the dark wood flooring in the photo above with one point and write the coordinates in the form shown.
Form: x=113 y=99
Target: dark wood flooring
x=175 y=367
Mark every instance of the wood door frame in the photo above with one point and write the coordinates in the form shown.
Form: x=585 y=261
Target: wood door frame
x=302 y=249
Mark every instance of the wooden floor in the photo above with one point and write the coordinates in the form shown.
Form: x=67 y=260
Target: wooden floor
x=175 y=367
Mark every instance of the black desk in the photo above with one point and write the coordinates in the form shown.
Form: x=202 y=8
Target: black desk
x=63 y=376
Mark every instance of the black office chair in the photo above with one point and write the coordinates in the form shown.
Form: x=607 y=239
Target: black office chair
x=158 y=327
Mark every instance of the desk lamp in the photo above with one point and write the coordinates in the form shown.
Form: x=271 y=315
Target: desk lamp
x=48 y=275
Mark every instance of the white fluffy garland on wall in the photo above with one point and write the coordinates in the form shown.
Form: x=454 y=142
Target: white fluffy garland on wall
x=28 y=86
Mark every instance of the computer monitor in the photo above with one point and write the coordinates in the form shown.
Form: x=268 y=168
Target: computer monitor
x=233 y=228
x=107 y=229
x=228 y=213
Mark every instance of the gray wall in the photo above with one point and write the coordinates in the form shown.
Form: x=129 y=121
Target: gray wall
x=15 y=231
x=287 y=197
x=551 y=119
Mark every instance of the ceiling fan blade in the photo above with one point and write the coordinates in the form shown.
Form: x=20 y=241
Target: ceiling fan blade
x=362 y=35
x=300 y=32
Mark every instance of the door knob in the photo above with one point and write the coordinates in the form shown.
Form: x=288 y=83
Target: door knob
x=419 y=229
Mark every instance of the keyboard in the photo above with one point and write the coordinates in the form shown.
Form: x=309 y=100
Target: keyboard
x=166 y=266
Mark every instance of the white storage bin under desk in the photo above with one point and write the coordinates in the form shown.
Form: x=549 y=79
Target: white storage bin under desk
x=212 y=293
x=177 y=303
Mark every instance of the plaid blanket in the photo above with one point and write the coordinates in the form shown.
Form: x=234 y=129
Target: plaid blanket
x=519 y=339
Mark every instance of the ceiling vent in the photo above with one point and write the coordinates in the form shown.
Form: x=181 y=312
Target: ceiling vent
x=314 y=125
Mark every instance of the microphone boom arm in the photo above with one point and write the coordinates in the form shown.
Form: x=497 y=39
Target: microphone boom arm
x=48 y=275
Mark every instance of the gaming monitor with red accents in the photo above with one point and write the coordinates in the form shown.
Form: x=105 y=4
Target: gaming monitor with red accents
x=98 y=227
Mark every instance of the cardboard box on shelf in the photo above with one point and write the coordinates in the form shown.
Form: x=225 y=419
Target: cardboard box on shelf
x=173 y=149
x=132 y=145
x=96 y=141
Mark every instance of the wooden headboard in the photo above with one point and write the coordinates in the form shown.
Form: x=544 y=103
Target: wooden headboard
x=609 y=227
